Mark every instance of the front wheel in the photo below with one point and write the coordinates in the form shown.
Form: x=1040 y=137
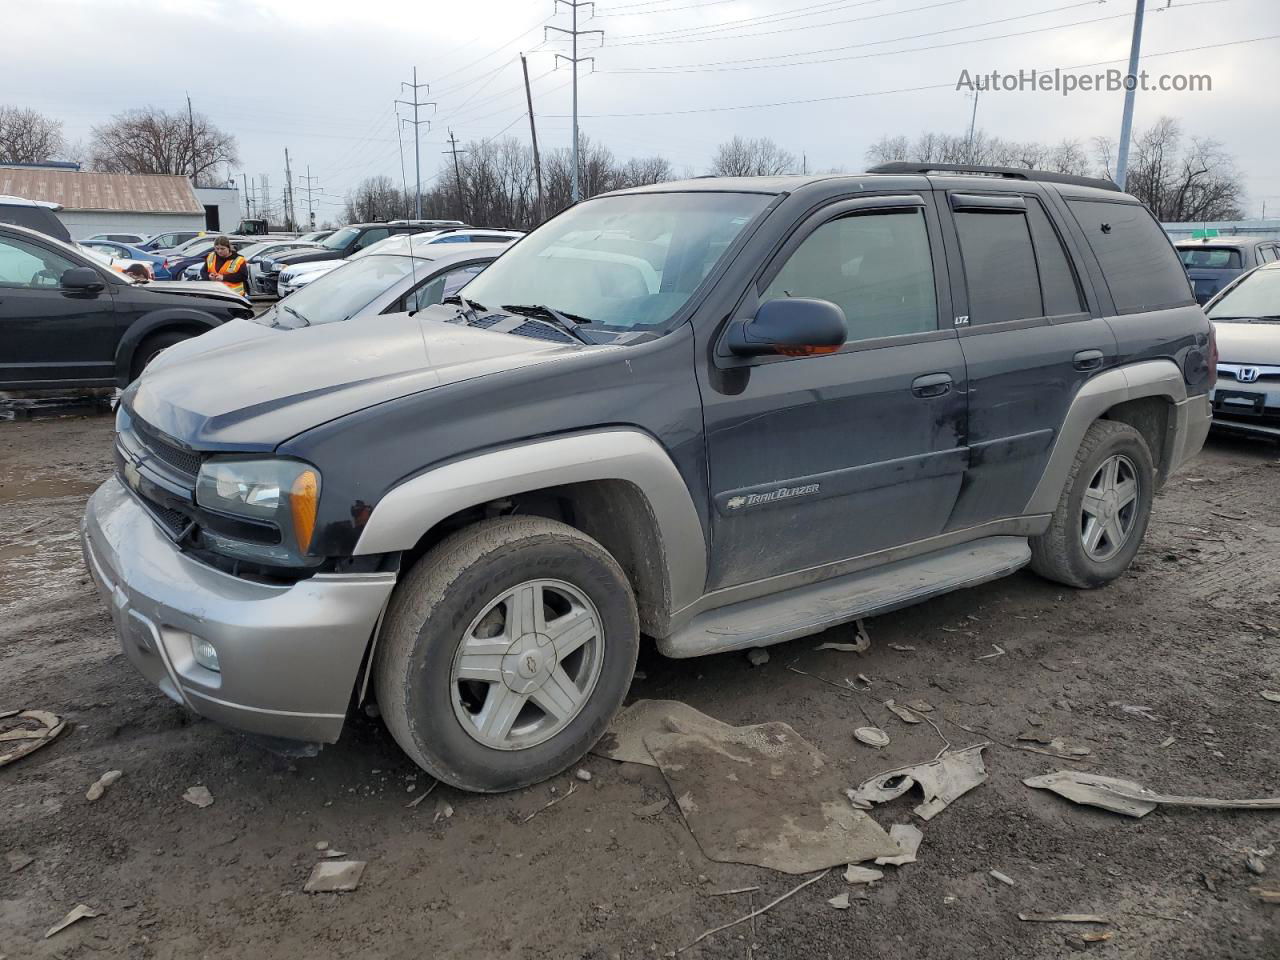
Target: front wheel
x=506 y=651
x=150 y=348
x=1103 y=512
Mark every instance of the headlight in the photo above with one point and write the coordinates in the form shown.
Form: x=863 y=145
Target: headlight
x=278 y=498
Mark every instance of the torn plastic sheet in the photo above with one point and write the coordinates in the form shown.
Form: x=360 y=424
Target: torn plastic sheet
x=941 y=781
x=1130 y=798
x=23 y=731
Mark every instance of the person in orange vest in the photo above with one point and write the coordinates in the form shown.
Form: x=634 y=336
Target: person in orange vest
x=227 y=267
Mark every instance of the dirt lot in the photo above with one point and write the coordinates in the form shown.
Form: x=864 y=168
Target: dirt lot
x=1192 y=633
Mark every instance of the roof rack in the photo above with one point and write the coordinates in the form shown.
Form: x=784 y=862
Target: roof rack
x=1011 y=173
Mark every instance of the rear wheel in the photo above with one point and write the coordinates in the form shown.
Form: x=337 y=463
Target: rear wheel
x=1103 y=512
x=150 y=348
x=506 y=651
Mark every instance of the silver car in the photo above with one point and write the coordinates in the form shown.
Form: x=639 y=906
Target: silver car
x=1246 y=320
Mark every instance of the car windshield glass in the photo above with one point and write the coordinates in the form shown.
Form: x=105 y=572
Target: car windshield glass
x=396 y=243
x=1256 y=296
x=623 y=262
x=344 y=292
x=1210 y=258
x=336 y=241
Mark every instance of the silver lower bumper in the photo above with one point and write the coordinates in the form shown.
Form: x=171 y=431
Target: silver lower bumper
x=288 y=655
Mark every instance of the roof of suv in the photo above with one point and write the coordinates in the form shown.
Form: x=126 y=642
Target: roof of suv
x=1234 y=240
x=10 y=201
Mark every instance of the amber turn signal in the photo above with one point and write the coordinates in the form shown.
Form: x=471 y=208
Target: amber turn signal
x=303 y=500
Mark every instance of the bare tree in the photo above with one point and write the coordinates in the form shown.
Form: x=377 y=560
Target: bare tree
x=374 y=198
x=150 y=140
x=27 y=136
x=760 y=157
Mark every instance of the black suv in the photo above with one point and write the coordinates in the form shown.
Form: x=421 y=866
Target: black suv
x=69 y=321
x=343 y=243
x=722 y=413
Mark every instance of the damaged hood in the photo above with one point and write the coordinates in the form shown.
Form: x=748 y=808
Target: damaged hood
x=194 y=288
x=1255 y=343
x=255 y=387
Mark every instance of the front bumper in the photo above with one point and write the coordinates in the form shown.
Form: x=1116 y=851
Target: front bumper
x=1251 y=408
x=289 y=655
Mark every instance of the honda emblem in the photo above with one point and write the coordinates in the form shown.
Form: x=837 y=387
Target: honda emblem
x=1247 y=374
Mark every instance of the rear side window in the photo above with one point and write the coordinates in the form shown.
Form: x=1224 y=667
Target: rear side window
x=1140 y=267
x=999 y=266
x=1057 y=279
x=1211 y=258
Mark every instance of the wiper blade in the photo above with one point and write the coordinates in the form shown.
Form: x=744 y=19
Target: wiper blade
x=469 y=308
x=570 y=323
x=305 y=321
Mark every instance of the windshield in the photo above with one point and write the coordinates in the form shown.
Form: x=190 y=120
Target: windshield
x=1210 y=258
x=336 y=241
x=344 y=292
x=1255 y=297
x=622 y=262
x=396 y=243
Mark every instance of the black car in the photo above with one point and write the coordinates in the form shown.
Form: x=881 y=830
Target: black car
x=1214 y=262
x=34 y=214
x=343 y=243
x=67 y=320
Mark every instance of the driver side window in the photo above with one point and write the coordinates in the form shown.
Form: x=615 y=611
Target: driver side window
x=436 y=289
x=875 y=266
x=28 y=266
x=372 y=236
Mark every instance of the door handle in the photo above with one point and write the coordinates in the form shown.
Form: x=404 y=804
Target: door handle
x=931 y=385
x=1087 y=360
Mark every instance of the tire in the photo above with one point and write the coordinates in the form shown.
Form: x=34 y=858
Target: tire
x=437 y=710
x=1063 y=553
x=149 y=348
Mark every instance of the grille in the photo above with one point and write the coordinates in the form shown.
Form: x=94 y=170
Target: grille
x=185 y=462
x=541 y=331
x=174 y=521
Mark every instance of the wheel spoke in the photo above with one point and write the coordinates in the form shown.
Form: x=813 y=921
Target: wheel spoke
x=559 y=696
x=1110 y=470
x=1115 y=532
x=479 y=666
x=499 y=712
x=1093 y=532
x=1092 y=503
x=1126 y=492
x=524 y=611
x=571 y=631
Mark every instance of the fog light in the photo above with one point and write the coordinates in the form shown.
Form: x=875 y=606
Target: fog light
x=205 y=654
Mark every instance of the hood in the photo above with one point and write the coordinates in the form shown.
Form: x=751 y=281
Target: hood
x=305 y=256
x=315 y=266
x=259 y=386
x=194 y=288
x=1249 y=343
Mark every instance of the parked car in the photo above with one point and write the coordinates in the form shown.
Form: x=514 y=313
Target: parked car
x=195 y=252
x=253 y=252
x=1246 y=316
x=315 y=236
x=1213 y=263
x=171 y=239
x=35 y=215
x=124 y=252
x=118 y=264
x=341 y=244
x=67 y=320
x=722 y=412
x=133 y=239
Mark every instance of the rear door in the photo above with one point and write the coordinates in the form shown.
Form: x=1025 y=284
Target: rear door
x=1028 y=337
x=49 y=335
x=820 y=458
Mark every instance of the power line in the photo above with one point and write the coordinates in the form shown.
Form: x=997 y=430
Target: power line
x=615 y=11
x=415 y=86
x=574 y=33
x=768 y=19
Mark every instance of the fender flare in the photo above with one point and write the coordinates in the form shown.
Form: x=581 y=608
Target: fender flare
x=411 y=509
x=1149 y=378
x=154 y=322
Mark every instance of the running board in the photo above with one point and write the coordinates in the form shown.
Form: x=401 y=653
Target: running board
x=814 y=607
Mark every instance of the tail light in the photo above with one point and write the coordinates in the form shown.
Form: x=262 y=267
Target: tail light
x=1213 y=356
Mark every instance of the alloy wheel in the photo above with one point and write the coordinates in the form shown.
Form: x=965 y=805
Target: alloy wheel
x=1109 y=509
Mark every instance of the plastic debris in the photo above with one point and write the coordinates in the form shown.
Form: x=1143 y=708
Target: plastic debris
x=861 y=643
x=1003 y=878
x=80 y=912
x=902 y=647
x=652 y=809
x=583 y=775
x=335 y=876
x=1271 y=695
x=941 y=781
x=840 y=902
x=920 y=706
x=1101 y=936
x=872 y=736
x=1256 y=858
x=757 y=656
x=1266 y=896
x=909 y=839
x=322 y=844
x=18 y=860
x=1168 y=741
x=1134 y=710
x=1056 y=746
x=902 y=713
x=99 y=786
x=856 y=874
x=1062 y=918
x=1129 y=798
x=444 y=811
x=333 y=854
x=24 y=731
x=999 y=652
x=198 y=795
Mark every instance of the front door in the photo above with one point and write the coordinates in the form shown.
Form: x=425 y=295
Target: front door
x=816 y=459
x=50 y=336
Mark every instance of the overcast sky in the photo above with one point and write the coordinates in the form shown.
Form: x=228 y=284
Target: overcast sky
x=319 y=76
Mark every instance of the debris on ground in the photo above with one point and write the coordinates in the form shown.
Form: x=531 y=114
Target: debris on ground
x=1271 y=695
x=198 y=795
x=920 y=706
x=444 y=810
x=79 y=912
x=652 y=809
x=1101 y=936
x=1168 y=741
x=999 y=652
x=1256 y=858
x=753 y=914
x=757 y=656
x=902 y=647
x=573 y=788
x=1266 y=896
x=908 y=838
x=335 y=876
x=24 y=731
x=333 y=854
x=840 y=902
x=99 y=786
x=583 y=774
x=902 y=713
x=872 y=736
x=861 y=643
x=856 y=874
x=322 y=844
x=1129 y=798
x=422 y=796
x=1052 y=746
x=1062 y=918
x=624 y=740
x=1134 y=710
x=19 y=860
x=763 y=795
x=1003 y=878
x=943 y=780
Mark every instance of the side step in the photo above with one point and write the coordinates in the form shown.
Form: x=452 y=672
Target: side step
x=815 y=607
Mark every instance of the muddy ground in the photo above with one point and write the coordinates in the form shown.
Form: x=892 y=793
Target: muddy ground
x=1191 y=633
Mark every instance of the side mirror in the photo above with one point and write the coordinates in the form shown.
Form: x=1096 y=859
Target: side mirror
x=790 y=326
x=85 y=279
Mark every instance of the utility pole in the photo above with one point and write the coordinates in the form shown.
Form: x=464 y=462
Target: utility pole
x=311 y=216
x=191 y=137
x=416 y=103
x=973 y=125
x=1131 y=83
x=288 y=194
x=248 y=206
x=457 y=173
x=574 y=60
x=533 y=134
